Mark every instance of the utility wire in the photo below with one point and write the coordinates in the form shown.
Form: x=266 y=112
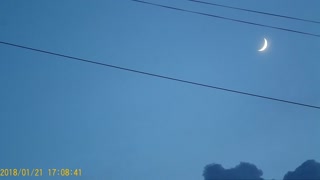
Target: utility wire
x=157 y=75
x=253 y=11
x=229 y=19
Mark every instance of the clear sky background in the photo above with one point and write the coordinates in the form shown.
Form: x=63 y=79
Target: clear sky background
x=57 y=113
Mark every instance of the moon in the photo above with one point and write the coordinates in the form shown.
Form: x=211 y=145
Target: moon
x=264 y=47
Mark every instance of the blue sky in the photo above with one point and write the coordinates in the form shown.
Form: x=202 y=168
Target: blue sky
x=57 y=113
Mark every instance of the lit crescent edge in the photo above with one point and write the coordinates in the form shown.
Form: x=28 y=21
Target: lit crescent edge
x=265 y=45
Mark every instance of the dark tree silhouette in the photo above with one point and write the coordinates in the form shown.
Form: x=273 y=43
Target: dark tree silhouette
x=243 y=171
x=308 y=170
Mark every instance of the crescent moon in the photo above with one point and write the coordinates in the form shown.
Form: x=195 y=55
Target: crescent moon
x=264 y=46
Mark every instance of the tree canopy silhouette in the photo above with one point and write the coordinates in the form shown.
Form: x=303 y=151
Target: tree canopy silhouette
x=242 y=171
x=307 y=170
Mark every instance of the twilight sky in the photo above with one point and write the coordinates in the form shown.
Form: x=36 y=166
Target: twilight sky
x=57 y=113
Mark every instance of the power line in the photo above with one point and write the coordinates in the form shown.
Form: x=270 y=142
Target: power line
x=229 y=19
x=258 y=12
x=157 y=75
